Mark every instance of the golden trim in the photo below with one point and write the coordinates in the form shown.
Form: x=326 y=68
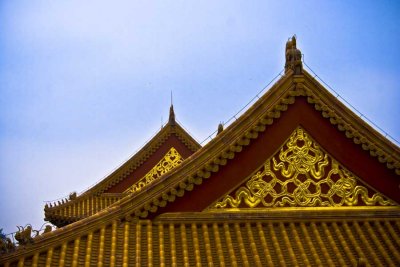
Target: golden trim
x=302 y=175
x=395 y=209
x=284 y=214
x=170 y=160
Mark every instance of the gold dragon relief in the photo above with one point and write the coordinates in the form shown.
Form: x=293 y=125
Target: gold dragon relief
x=170 y=160
x=301 y=174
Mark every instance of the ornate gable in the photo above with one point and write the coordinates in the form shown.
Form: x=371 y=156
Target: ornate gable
x=170 y=160
x=302 y=174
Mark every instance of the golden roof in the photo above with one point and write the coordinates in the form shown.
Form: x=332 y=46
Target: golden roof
x=94 y=199
x=127 y=233
x=274 y=238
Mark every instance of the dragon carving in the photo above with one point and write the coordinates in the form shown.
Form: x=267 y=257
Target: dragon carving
x=24 y=235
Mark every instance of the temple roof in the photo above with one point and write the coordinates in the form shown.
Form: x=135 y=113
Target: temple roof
x=299 y=91
x=171 y=219
x=113 y=187
x=343 y=238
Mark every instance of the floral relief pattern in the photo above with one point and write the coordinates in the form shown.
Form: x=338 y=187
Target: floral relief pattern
x=302 y=175
x=171 y=159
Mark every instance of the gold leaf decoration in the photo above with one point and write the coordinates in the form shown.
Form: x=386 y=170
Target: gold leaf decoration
x=171 y=159
x=302 y=175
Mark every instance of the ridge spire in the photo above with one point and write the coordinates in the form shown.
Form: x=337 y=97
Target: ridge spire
x=171 y=119
x=220 y=128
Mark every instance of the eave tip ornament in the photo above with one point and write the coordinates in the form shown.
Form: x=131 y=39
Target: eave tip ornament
x=293 y=57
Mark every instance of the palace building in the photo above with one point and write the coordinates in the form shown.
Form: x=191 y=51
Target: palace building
x=297 y=180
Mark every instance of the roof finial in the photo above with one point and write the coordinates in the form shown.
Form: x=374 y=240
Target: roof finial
x=293 y=57
x=171 y=119
x=220 y=128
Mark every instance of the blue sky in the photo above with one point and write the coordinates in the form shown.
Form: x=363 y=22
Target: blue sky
x=84 y=84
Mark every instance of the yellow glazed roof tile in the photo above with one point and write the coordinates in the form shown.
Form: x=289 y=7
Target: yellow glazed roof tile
x=246 y=240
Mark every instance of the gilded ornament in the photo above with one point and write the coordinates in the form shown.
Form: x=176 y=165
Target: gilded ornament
x=171 y=159
x=302 y=175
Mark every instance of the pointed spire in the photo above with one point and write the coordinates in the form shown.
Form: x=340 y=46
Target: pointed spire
x=171 y=119
x=220 y=128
